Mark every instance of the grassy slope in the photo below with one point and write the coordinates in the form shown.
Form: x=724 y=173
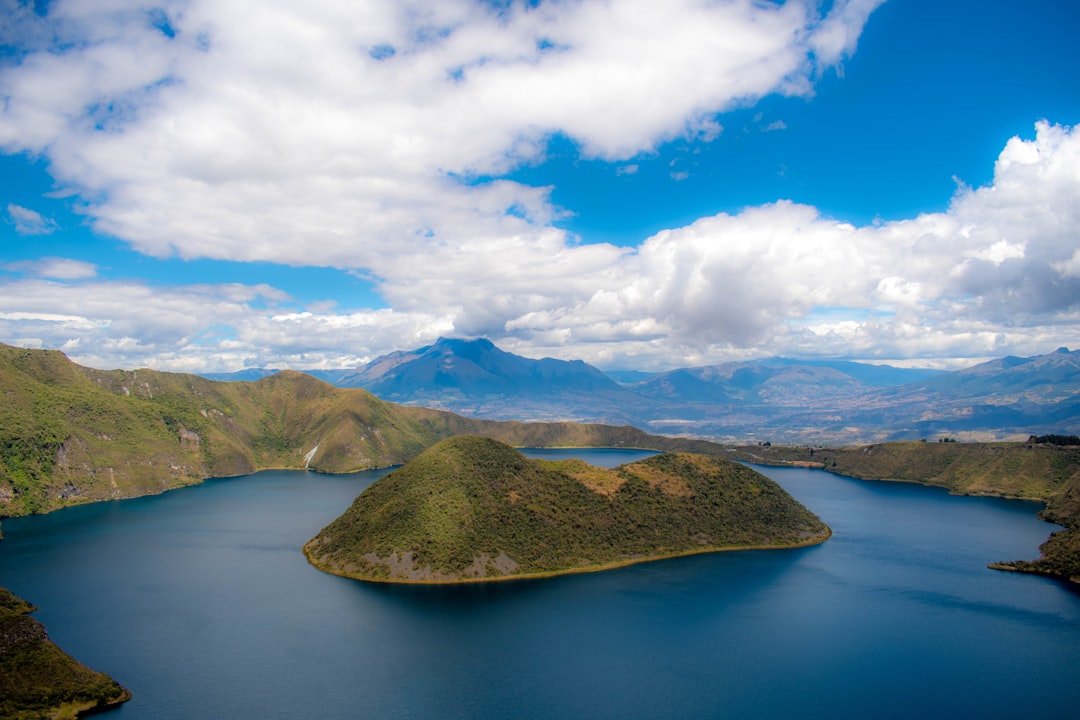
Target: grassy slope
x=37 y=679
x=1050 y=473
x=473 y=508
x=70 y=434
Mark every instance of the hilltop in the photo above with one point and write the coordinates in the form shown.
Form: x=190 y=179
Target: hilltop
x=71 y=434
x=1034 y=470
x=472 y=508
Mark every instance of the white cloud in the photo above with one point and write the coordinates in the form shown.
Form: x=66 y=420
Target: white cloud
x=995 y=274
x=55 y=268
x=29 y=222
x=290 y=133
x=197 y=328
x=285 y=132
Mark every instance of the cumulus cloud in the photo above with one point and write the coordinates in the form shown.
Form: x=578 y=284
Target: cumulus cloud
x=335 y=134
x=365 y=136
x=197 y=328
x=995 y=273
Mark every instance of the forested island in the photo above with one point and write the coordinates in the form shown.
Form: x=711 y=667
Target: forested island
x=474 y=509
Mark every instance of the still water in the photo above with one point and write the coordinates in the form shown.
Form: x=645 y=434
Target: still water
x=200 y=602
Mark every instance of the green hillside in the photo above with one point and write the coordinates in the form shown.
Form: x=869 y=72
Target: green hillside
x=37 y=679
x=70 y=434
x=473 y=508
x=1036 y=471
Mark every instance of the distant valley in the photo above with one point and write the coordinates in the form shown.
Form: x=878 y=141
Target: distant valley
x=777 y=400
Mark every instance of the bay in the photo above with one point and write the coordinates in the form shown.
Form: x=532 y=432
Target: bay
x=202 y=604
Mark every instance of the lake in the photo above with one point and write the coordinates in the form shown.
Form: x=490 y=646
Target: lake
x=201 y=603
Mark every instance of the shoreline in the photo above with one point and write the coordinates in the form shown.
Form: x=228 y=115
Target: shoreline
x=569 y=571
x=1025 y=567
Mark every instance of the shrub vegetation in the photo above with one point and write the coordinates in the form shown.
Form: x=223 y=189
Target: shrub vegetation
x=459 y=507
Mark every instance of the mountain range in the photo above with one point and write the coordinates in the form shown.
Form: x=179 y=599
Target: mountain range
x=776 y=399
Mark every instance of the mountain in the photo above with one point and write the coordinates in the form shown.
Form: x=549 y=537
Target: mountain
x=1009 y=396
x=775 y=380
x=777 y=399
x=824 y=402
x=71 y=434
x=38 y=679
x=472 y=508
x=477 y=378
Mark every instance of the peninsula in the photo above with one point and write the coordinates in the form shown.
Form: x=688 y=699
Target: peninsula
x=474 y=509
x=38 y=679
x=1045 y=468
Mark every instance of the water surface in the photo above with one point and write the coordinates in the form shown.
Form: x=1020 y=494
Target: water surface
x=202 y=604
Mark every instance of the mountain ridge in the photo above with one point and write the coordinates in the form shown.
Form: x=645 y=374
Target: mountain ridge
x=783 y=400
x=71 y=434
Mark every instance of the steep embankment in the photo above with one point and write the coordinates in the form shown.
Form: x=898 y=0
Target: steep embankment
x=1036 y=471
x=39 y=680
x=71 y=434
x=473 y=508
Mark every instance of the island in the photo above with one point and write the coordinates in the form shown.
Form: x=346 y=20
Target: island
x=473 y=509
x=38 y=679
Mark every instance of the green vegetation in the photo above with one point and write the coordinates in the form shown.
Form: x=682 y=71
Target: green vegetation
x=70 y=434
x=1047 y=470
x=37 y=679
x=472 y=508
x=1055 y=439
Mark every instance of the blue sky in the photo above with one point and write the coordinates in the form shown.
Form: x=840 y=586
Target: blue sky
x=207 y=187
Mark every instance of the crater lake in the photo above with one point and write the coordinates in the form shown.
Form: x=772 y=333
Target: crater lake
x=201 y=603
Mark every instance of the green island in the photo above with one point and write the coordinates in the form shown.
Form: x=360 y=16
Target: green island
x=1045 y=468
x=472 y=509
x=38 y=679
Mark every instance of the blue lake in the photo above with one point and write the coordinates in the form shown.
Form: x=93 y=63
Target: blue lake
x=201 y=603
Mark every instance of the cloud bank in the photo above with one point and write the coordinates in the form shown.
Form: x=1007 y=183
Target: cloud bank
x=372 y=136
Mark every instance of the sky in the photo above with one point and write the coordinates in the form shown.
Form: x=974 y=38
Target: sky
x=211 y=185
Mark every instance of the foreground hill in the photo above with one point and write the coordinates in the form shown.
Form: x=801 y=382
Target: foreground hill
x=1034 y=470
x=38 y=679
x=472 y=509
x=71 y=434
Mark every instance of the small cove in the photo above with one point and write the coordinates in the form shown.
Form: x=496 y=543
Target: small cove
x=201 y=603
